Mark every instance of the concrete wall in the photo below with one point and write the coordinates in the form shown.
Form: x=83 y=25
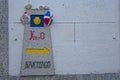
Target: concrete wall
x=85 y=35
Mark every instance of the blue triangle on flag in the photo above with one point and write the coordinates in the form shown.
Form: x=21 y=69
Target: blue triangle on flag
x=47 y=13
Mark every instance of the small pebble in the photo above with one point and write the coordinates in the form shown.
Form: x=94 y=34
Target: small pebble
x=28 y=6
x=41 y=7
x=46 y=8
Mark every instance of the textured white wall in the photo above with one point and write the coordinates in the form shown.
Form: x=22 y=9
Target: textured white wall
x=85 y=35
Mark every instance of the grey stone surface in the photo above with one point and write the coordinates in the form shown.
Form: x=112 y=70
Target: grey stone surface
x=27 y=78
x=111 y=76
x=65 y=77
x=84 y=77
x=97 y=77
x=14 y=78
x=3 y=38
x=4 y=78
x=22 y=78
x=3 y=3
x=45 y=78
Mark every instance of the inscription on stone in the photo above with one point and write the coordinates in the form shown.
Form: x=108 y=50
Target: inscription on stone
x=37 y=64
x=40 y=36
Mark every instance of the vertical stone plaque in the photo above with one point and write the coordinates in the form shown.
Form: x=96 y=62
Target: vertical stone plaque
x=37 y=56
x=3 y=38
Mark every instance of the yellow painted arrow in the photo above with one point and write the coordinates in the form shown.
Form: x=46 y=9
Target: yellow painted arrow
x=43 y=51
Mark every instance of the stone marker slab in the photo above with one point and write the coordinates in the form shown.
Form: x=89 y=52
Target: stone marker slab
x=37 y=57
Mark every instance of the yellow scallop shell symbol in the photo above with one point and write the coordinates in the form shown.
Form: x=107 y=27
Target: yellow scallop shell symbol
x=37 y=20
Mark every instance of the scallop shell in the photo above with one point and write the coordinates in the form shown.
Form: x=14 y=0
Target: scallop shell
x=28 y=6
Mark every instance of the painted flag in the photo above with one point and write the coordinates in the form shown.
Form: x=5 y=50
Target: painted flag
x=37 y=21
x=48 y=18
